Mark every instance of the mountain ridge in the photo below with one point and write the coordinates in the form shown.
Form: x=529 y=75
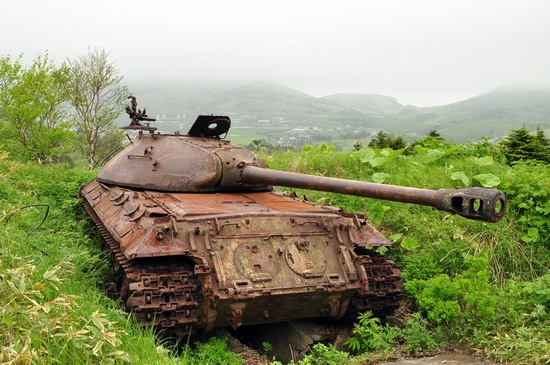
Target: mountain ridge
x=492 y=114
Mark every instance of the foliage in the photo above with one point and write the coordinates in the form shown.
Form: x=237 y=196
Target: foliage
x=52 y=307
x=37 y=308
x=377 y=158
x=259 y=145
x=321 y=354
x=213 y=352
x=528 y=300
x=384 y=140
x=32 y=109
x=524 y=333
x=467 y=299
x=520 y=145
x=433 y=140
x=528 y=189
x=522 y=345
x=97 y=96
x=324 y=355
x=418 y=337
x=370 y=335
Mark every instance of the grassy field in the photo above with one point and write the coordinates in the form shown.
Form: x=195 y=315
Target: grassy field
x=467 y=282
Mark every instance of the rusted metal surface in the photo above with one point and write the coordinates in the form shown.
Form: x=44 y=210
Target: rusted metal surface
x=165 y=295
x=203 y=241
x=136 y=116
x=254 y=258
x=474 y=203
x=176 y=163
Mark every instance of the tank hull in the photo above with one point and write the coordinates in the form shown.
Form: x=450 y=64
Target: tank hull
x=195 y=261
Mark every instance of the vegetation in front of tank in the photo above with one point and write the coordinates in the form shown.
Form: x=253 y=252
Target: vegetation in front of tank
x=415 y=335
x=321 y=354
x=213 y=352
x=464 y=301
x=370 y=335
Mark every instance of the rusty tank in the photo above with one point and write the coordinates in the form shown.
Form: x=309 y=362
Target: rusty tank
x=204 y=241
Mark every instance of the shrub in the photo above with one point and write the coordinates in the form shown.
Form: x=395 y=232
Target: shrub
x=468 y=299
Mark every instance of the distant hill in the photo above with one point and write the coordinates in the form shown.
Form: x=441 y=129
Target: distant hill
x=243 y=100
x=492 y=114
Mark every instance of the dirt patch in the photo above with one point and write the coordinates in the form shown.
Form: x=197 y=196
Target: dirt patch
x=439 y=359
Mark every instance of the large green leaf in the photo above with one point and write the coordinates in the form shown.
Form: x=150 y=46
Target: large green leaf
x=487 y=180
x=460 y=175
x=380 y=177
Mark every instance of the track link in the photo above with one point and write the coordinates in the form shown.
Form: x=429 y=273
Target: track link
x=163 y=293
x=384 y=289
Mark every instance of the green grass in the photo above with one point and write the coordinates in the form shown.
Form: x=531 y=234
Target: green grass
x=52 y=306
x=483 y=285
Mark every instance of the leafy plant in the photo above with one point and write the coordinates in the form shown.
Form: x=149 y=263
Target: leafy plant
x=376 y=213
x=410 y=244
x=377 y=158
x=33 y=125
x=528 y=190
x=467 y=299
x=487 y=180
x=461 y=175
x=418 y=338
x=322 y=354
x=213 y=352
x=370 y=335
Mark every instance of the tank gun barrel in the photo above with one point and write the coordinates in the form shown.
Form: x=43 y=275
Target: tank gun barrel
x=473 y=203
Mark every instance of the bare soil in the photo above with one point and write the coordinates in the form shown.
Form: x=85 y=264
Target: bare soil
x=459 y=358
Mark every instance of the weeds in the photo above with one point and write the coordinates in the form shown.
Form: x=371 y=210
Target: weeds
x=370 y=335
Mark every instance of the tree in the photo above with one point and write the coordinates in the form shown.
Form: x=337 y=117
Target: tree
x=384 y=140
x=33 y=109
x=98 y=98
x=542 y=146
x=380 y=141
x=522 y=145
x=433 y=140
x=434 y=134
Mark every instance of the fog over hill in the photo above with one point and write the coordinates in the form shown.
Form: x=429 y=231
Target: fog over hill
x=250 y=102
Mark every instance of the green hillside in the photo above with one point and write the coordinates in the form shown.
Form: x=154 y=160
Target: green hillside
x=492 y=114
x=276 y=113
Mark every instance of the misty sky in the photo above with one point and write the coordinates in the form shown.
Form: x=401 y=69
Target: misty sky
x=423 y=52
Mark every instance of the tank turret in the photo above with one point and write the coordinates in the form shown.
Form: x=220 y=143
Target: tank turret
x=202 y=162
x=204 y=241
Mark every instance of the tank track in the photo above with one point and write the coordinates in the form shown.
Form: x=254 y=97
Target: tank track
x=164 y=294
x=384 y=290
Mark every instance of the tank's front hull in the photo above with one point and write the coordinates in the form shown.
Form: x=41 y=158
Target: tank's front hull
x=193 y=262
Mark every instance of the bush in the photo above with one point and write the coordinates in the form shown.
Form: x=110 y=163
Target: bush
x=465 y=301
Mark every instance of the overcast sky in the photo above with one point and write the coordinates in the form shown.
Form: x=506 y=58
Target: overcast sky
x=423 y=52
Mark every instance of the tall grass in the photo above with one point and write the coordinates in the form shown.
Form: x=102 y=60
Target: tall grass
x=52 y=308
